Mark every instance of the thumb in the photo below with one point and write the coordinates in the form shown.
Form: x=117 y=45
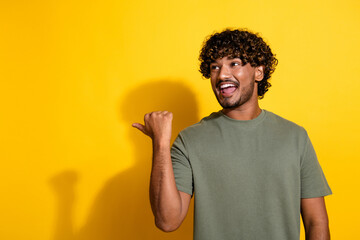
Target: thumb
x=140 y=127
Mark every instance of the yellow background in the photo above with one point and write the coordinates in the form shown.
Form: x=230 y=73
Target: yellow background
x=74 y=75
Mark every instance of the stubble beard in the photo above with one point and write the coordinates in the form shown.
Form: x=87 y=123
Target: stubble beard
x=228 y=105
x=244 y=97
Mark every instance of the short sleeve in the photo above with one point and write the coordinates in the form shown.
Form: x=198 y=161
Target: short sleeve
x=313 y=181
x=181 y=166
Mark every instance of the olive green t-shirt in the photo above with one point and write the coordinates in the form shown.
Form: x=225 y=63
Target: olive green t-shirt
x=247 y=177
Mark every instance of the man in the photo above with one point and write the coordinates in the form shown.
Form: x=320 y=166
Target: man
x=252 y=172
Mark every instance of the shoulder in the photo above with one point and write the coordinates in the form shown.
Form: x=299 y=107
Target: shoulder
x=205 y=125
x=275 y=119
x=284 y=126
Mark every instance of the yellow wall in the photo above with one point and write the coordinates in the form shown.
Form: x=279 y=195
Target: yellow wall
x=75 y=74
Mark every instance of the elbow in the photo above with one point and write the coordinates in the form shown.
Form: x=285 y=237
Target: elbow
x=166 y=226
x=316 y=223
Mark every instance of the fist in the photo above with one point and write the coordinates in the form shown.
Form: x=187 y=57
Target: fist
x=157 y=125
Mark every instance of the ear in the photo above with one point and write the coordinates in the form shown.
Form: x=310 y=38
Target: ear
x=259 y=73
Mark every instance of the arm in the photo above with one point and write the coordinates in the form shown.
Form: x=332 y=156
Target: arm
x=315 y=219
x=169 y=205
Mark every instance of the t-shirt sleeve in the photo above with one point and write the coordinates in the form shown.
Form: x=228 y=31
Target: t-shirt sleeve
x=181 y=166
x=313 y=181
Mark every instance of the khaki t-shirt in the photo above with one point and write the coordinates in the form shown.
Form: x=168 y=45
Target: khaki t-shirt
x=247 y=177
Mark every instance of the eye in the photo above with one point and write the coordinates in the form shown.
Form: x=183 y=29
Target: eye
x=214 y=67
x=235 y=63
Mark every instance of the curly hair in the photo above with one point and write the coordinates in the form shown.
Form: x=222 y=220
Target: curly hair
x=243 y=44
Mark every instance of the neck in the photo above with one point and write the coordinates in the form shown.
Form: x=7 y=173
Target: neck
x=243 y=112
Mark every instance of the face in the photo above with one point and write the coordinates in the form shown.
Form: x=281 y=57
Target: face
x=234 y=84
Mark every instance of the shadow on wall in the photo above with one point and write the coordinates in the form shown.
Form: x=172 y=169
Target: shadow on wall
x=122 y=209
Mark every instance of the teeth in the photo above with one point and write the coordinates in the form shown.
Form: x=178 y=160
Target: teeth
x=227 y=85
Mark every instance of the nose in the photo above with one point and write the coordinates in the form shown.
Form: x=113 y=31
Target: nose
x=224 y=73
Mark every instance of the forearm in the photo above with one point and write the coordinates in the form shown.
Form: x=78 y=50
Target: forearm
x=317 y=232
x=164 y=197
x=166 y=201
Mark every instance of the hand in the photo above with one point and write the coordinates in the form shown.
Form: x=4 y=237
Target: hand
x=157 y=125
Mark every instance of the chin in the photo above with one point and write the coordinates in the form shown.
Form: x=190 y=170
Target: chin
x=230 y=105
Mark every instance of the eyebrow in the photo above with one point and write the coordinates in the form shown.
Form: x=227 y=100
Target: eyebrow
x=231 y=58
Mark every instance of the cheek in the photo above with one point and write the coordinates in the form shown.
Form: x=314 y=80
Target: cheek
x=239 y=75
x=244 y=77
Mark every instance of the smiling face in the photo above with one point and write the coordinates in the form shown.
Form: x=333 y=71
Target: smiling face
x=233 y=83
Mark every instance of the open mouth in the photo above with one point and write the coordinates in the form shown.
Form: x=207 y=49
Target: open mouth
x=226 y=89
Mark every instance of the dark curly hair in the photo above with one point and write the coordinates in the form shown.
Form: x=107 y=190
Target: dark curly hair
x=243 y=44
